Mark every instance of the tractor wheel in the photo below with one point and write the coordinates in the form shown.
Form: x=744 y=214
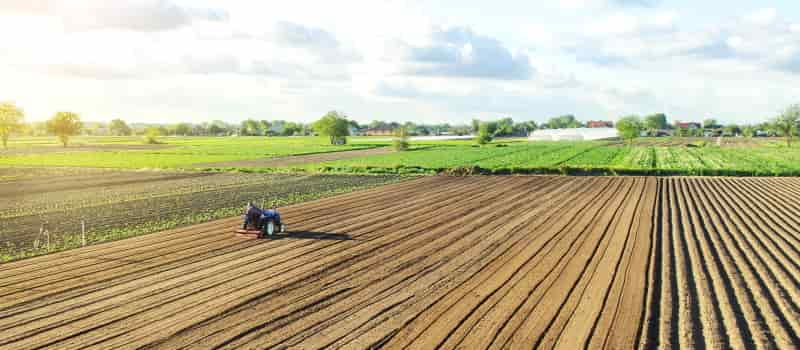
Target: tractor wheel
x=269 y=228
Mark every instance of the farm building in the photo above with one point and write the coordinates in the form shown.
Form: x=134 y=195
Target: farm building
x=599 y=124
x=575 y=134
x=688 y=125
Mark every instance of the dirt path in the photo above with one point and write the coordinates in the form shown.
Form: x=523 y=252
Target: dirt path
x=297 y=160
x=441 y=262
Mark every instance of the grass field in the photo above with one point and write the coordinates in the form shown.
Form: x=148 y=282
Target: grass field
x=174 y=153
x=647 y=156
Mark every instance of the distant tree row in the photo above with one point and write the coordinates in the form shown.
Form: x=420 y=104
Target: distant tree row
x=784 y=125
x=486 y=131
x=337 y=126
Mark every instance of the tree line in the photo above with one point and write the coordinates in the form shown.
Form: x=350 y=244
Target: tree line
x=338 y=126
x=783 y=125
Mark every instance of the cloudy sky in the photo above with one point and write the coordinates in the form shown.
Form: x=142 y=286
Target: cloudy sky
x=403 y=60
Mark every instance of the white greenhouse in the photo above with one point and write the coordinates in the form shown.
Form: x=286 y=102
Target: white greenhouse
x=576 y=134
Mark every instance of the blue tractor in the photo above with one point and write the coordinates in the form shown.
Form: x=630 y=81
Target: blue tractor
x=261 y=222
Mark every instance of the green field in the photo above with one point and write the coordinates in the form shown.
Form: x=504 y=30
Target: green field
x=768 y=158
x=175 y=152
x=647 y=156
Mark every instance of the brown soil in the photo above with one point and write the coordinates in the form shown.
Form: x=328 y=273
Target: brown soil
x=450 y=262
x=297 y=160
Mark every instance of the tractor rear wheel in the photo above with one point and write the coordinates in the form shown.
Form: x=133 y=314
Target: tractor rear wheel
x=269 y=228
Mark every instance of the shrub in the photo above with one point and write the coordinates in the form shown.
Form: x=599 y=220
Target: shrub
x=484 y=134
x=151 y=136
x=400 y=142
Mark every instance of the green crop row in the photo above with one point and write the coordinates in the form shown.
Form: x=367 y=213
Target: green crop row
x=579 y=157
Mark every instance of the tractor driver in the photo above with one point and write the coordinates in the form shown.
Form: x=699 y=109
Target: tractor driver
x=252 y=215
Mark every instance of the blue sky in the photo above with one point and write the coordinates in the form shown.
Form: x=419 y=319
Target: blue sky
x=404 y=60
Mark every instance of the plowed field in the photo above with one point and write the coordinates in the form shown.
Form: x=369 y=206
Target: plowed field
x=473 y=262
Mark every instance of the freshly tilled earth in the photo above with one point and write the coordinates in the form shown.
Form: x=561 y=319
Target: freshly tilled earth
x=442 y=262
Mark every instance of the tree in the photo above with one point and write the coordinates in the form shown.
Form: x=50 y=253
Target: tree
x=525 y=128
x=11 y=121
x=710 y=123
x=334 y=125
x=217 y=128
x=629 y=127
x=64 y=125
x=459 y=130
x=655 y=122
x=563 y=122
x=250 y=127
x=118 y=127
x=786 y=123
x=748 y=131
x=476 y=125
x=400 y=142
x=732 y=129
x=485 y=132
x=151 y=135
x=264 y=126
x=290 y=128
x=505 y=127
x=183 y=129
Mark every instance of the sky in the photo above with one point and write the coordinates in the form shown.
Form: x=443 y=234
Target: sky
x=402 y=60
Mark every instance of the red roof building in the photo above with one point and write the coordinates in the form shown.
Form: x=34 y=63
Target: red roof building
x=599 y=124
x=688 y=125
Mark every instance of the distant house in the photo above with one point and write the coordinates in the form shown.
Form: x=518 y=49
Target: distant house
x=599 y=124
x=379 y=132
x=355 y=131
x=688 y=125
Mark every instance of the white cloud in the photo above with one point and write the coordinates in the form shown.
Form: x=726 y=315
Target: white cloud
x=459 y=52
x=394 y=59
x=642 y=3
x=135 y=15
x=621 y=23
x=211 y=64
x=627 y=40
x=318 y=41
x=597 y=4
x=295 y=71
x=763 y=16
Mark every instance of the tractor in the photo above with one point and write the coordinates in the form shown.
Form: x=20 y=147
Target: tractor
x=261 y=223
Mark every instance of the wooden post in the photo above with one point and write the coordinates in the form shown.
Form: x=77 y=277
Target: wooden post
x=83 y=233
x=39 y=237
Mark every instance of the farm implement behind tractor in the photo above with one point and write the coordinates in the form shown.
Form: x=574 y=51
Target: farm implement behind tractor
x=261 y=223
